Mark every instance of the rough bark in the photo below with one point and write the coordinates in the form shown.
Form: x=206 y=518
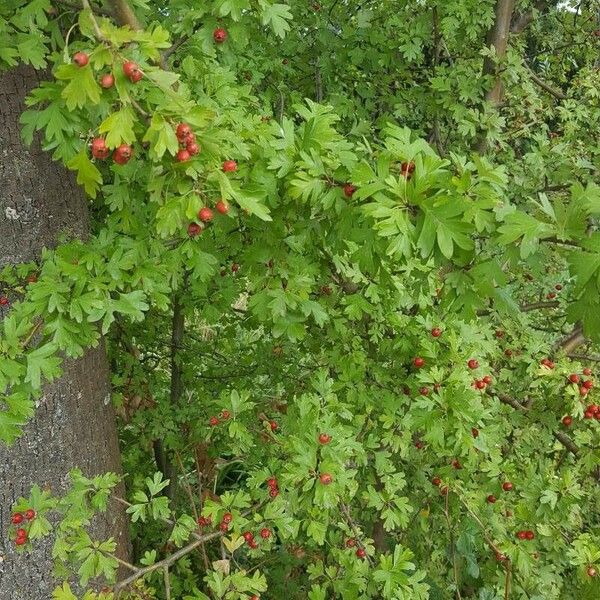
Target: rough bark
x=74 y=424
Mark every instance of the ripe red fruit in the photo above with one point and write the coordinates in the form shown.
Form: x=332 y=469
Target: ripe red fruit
x=273 y=425
x=205 y=214
x=224 y=526
x=204 y=521
x=272 y=482
x=588 y=414
x=583 y=391
x=424 y=391
x=227 y=518
x=499 y=333
x=100 y=149
x=591 y=572
x=325 y=478
x=546 y=362
x=444 y=491
x=213 y=421
x=407 y=169
x=551 y=296
x=522 y=535
x=594 y=408
x=558 y=287
x=194 y=229
x=122 y=154
x=567 y=420
x=81 y=59
x=491 y=499
x=418 y=362
x=436 y=332
x=324 y=438
x=588 y=384
x=472 y=363
x=31 y=278
x=20 y=541
x=132 y=71
x=587 y=371
x=574 y=378
x=475 y=432
x=254 y=597
x=21 y=533
x=456 y=464
x=361 y=552
x=349 y=190
x=248 y=536
x=17 y=519
x=219 y=35
x=500 y=557
x=507 y=486
x=235 y=268
x=182 y=132
x=229 y=166
x=487 y=379
x=107 y=80
x=222 y=207
x=253 y=545
x=265 y=533
x=479 y=384
x=273 y=492
x=436 y=481
x=182 y=155
x=192 y=148
x=529 y=534
x=30 y=514
x=508 y=352
x=350 y=543
x=225 y=414
x=3 y=300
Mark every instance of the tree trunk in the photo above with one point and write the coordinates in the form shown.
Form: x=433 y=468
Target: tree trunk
x=74 y=424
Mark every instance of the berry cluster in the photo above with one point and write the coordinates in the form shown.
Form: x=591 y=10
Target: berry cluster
x=264 y=533
x=226 y=521
x=18 y=519
x=214 y=421
x=273 y=487
x=188 y=146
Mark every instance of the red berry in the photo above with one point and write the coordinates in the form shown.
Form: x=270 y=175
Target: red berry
x=122 y=154
x=419 y=445
x=272 y=482
x=567 y=420
x=265 y=533
x=551 y=296
x=324 y=438
x=273 y=425
x=583 y=391
x=30 y=514
x=253 y=545
x=594 y=408
x=479 y=384
x=20 y=541
x=487 y=379
x=222 y=207
x=248 y=536
x=361 y=552
x=194 y=229
x=107 y=80
x=588 y=414
x=472 y=363
x=522 y=535
x=192 y=148
x=225 y=414
x=229 y=166
x=213 y=421
x=588 y=384
x=475 y=432
x=587 y=371
x=219 y=35
x=325 y=478
x=507 y=486
x=224 y=526
x=254 y=597
x=574 y=378
x=205 y=214
x=81 y=59
x=499 y=333
x=491 y=499
x=436 y=332
x=4 y=301
x=350 y=543
x=182 y=155
x=349 y=190
x=183 y=131
x=418 y=362
x=235 y=268
x=407 y=168
x=31 y=278
x=100 y=149
x=444 y=491
x=591 y=572
x=500 y=557
x=204 y=521
x=17 y=519
x=529 y=534
x=21 y=533
x=227 y=518
x=436 y=481
x=558 y=287
x=508 y=352
x=273 y=492
x=132 y=71
x=456 y=464
x=424 y=391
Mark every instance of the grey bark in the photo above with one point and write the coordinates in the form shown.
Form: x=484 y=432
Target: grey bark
x=74 y=424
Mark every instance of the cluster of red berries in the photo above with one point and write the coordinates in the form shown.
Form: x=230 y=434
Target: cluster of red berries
x=273 y=487
x=121 y=154
x=226 y=521
x=188 y=146
x=525 y=534
x=18 y=519
x=592 y=412
x=586 y=384
x=438 y=482
x=264 y=533
x=204 y=521
x=205 y=215
x=214 y=421
x=407 y=169
x=552 y=295
x=360 y=552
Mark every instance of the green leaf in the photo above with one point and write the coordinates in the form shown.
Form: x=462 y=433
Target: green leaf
x=87 y=173
x=118 y=127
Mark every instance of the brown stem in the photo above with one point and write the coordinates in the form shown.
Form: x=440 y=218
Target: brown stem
x=124 y=14
x=572 y=341
x=545 y=86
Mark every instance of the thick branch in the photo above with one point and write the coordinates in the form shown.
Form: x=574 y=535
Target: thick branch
x=524 y=19
x=124 y=14
x=545 y=86
x=572 y=341
x=538 y=305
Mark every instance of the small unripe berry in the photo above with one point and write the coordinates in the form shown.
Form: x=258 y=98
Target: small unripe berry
x=475 y=432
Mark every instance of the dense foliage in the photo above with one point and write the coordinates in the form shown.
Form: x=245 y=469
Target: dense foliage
x=357 y=356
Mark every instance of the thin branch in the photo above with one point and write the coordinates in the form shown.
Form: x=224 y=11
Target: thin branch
x=583 y=357
x=558 y=94
x=567 y=442
x=538 y=305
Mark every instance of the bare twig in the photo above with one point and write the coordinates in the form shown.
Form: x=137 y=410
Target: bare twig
x=558 y=94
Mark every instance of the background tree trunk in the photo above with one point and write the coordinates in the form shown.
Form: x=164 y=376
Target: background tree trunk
x=74 y=425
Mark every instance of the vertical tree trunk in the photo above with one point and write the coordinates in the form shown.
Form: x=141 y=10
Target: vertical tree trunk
x=74 y=425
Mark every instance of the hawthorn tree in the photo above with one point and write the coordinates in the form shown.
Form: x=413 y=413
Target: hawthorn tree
x=346 y=259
